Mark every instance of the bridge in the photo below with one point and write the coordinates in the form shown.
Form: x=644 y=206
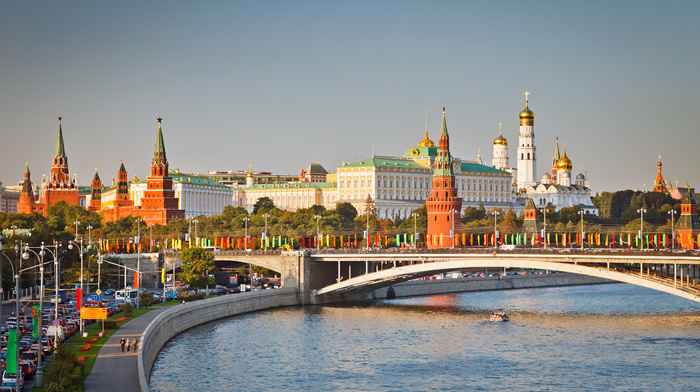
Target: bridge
x=327 y=276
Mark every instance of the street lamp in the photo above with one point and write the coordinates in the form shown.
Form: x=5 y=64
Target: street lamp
x=318 y=232
x=495 y=229
x=195 y=230
x=82 y=293
x=415 y=229
x=581 y=212
x=266 y=216
x=16 y=274
x=138 y=260
x=641 y=211
x=245 y=221
x=40 y=255
x=672 y=212
x=452 y=232
x=544 y=226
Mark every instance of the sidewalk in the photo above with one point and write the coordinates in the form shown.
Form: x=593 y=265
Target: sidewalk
x=114 y=370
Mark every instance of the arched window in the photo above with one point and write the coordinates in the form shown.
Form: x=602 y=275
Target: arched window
x=528 y=155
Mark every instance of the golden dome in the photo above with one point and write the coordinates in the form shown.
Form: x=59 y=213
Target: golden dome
x=426 y=142
x=500 y=140
x=527 y=117
x=564 y=163
x=250 y=174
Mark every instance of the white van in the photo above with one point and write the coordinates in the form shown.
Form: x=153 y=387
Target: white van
x=56 y=332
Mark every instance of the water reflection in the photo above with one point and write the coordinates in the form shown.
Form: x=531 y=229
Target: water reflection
x=583 y=337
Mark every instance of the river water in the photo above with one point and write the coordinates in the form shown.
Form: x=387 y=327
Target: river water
x=613 y=337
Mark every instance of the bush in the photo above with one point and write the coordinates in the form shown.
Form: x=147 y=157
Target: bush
x=146 y=300
x=110 y=324
x=127 y=308
x=63 y=372
x=190 y=297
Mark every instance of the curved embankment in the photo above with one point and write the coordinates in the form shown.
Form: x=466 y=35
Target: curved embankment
x=182 y=317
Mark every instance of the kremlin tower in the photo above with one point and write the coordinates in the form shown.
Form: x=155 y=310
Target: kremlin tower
x=443 y=205
x=527 y=160
x=59 y=187
x=96 y=198
x=530 y=218
x=27 y=202
x=159 y=204
x=688 y=226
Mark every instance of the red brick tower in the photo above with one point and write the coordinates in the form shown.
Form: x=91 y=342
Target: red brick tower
x=688 y=225
x=27 y=203
x=444 y=207
x=59 y=187
x=159 y=204
x=530 y=218
x=96 y=199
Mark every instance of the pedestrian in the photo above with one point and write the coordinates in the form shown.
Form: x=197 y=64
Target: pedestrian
x=136 y=344
x=128 y=345
x=122 y=343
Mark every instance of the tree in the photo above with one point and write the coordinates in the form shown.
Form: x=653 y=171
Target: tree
x=263 y=204
x=63 y=371
x=197 y=263
x=347 y=211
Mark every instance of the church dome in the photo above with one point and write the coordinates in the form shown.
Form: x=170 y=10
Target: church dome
x=426 y=142
x=546 y=179
x=580 y=176
x=564 y=163
x=500 y=140
x=527 y=117
x=565 y=174
x=249 y=175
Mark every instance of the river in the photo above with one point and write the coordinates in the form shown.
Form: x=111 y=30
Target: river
x=589 y=338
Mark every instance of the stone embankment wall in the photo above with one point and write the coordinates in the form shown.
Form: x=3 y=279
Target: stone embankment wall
x=182 y=317
x=460 y=285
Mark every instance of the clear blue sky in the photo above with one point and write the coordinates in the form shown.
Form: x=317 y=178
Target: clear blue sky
x=282 y=84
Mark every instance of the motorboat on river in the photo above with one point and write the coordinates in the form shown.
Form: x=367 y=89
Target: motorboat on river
x=498 y=317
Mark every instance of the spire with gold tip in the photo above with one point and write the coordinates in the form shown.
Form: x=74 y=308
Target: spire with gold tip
x=426 y=142
x=527 y=117
x=500 y=140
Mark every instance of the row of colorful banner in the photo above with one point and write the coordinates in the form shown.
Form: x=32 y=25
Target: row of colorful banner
x=650 y=240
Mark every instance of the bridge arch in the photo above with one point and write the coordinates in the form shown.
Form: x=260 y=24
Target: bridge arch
x=604 y=267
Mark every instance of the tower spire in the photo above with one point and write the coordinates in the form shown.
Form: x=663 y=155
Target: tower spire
x=60 y=149
x=159 y=157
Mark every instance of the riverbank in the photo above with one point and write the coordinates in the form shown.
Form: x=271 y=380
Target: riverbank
x=415 y=288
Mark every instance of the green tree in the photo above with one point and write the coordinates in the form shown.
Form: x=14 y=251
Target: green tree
x=263 y=204
x=347 y=211
x=63 y=372
x=197 y=263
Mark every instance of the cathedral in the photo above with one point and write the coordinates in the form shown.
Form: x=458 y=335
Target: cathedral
x=556 y=188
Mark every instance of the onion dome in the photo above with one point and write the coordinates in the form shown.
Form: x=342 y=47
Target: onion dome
x=546 y=179
x=564 y=163
x=527 y=117
x=426 y=142
x=250 y=174
x=500 y=140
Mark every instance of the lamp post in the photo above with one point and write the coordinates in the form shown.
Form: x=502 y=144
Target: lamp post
x=495 y=229
x=82 y=293
x=318 y=231
x=415 y=229
x=641 y=211
x=245 y=221
x=672 y=212
x=581 y=212
x=16 y=274
x=195 y=230
x=452 y=232
x=138 y=261
x=40 y=255
x=266 y=216
x=544 y=226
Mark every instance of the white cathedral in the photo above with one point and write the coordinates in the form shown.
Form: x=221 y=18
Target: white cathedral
x=556 y=188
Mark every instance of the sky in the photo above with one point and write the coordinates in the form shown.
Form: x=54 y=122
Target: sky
x=281 y=84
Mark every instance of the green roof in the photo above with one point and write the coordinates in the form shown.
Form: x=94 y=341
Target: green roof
x=476 y=167
x=396 y=163
x=293 y=185
x=420 y=152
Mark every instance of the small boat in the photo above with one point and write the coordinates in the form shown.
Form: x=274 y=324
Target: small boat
x=498 y=317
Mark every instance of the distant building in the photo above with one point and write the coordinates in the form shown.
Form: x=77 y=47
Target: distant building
x=314 y=173
x=9 y=197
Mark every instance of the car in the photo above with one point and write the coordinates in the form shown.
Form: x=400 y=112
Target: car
x=109 y=292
